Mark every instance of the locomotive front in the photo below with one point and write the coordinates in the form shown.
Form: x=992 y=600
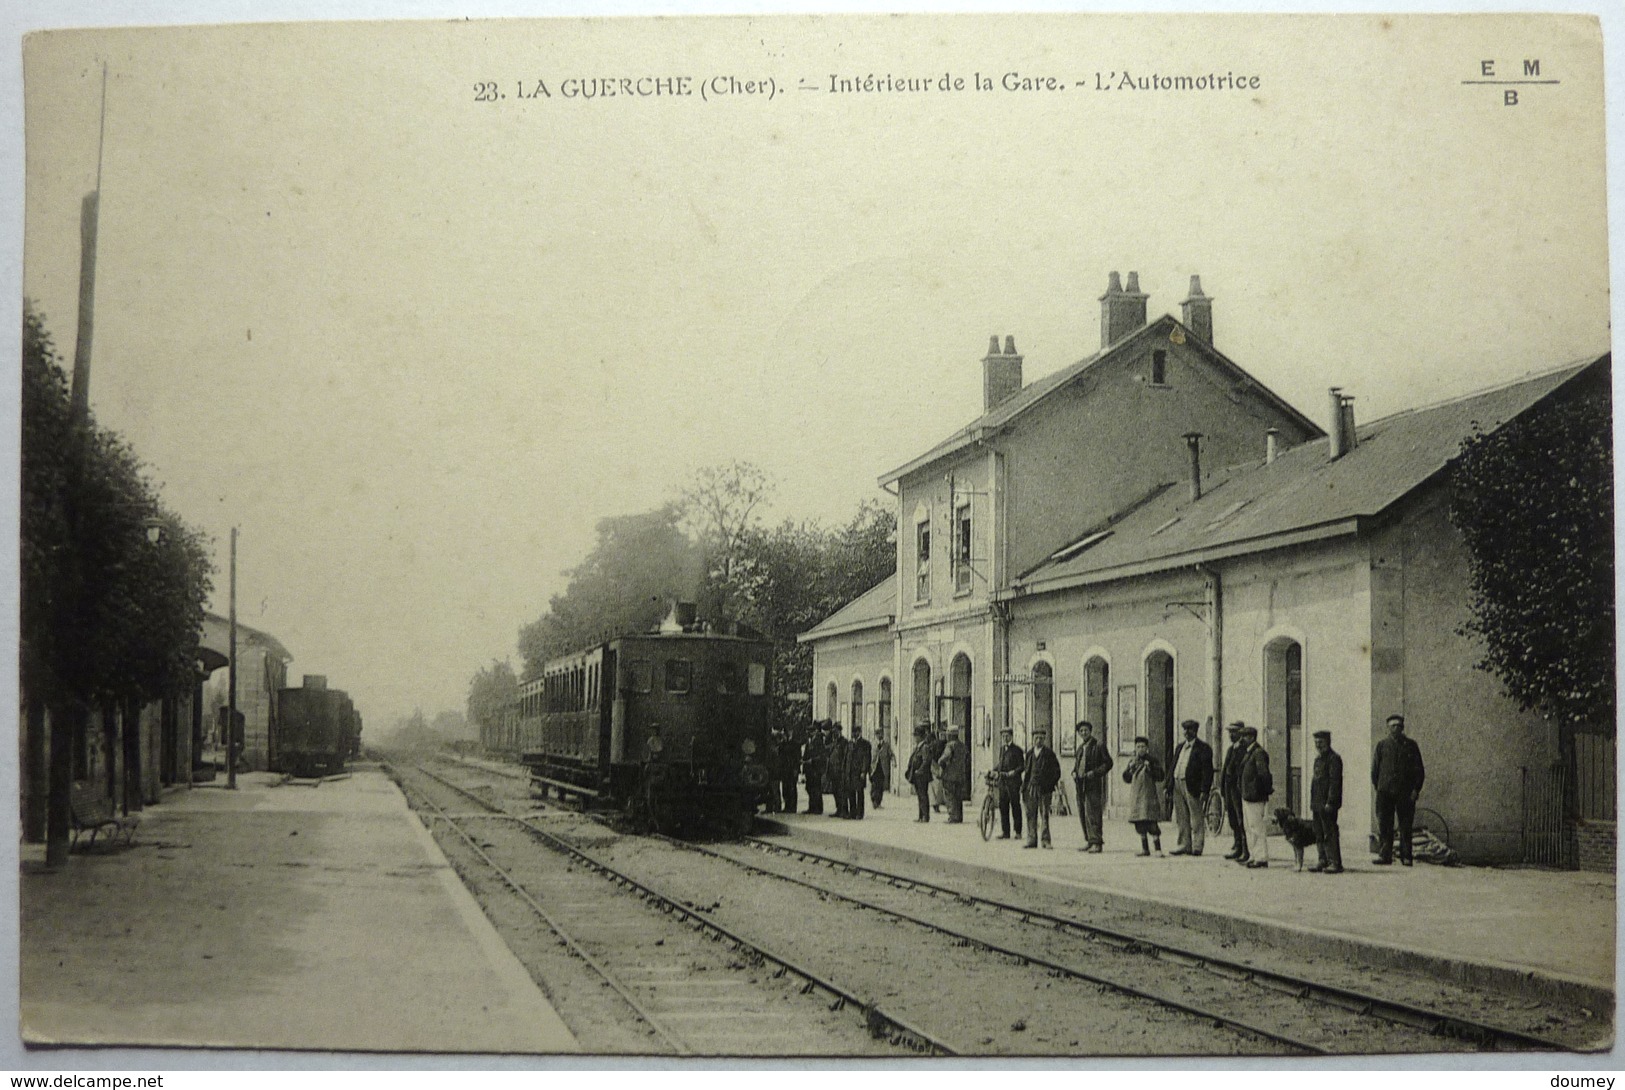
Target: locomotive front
x=689 y=727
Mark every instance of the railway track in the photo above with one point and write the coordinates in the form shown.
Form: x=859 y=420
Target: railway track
x=1289 y=1012
x=690 y=1007
x=1434 y=1025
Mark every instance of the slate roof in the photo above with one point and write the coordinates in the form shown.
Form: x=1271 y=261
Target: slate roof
x=1301 y=493
x=873 y=608
x=1035 y=391
x=216 y=637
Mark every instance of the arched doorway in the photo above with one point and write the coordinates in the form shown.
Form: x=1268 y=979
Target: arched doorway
x=1043 y=717
x=832 y=702
x=920 y=702
x=1283 y=719
x=885 y=728
x=1159 y=705
x=856 y=721
x=957 y=712
x=1096 y=684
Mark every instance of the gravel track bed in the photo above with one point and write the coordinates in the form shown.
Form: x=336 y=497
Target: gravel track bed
x=715 y=998
x=1581 y=1029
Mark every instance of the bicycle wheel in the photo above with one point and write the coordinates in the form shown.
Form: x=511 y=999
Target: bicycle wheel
x=990 y=814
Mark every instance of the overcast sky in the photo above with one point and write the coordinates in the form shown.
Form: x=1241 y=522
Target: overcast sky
x=415 y=345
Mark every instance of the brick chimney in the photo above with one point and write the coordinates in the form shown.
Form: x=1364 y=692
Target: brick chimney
x=1001 y=373
x=1122 y=310
x=1197 y=311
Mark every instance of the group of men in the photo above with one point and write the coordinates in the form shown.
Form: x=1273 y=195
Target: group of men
x=939 y=771
x=831 y=765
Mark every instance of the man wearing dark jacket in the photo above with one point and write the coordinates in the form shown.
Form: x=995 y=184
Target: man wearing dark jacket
x=1009 y=769
x=918 y=770
x=812 y=766
x=835 y=749
x=1089 y=769
x=1325 y=799
x=1230 y=791
x=1397 y=774
x=1257 y=785
x=880 y=771
x=1040 y=774
x=1188 y=786
x=858 y=757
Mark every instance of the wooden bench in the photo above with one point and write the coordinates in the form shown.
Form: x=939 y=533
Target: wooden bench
x=93 y=812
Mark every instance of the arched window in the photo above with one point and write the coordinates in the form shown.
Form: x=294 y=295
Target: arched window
x=832 y=699
x=1043 y=701
x=957 y=713
x=883 y=723
x=1096 y=684
x=857 y=706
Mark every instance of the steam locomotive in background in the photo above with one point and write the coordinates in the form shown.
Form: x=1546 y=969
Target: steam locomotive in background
x=316 y=729
x=671 y=726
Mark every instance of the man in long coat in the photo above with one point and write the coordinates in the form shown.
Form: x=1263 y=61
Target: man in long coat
x=1397 y=774
x=1040 y=773
x=812 y=766
x=918 y=772
x=789 y=767
x=1257 y=785
x=955 y=766
x=1011 y=763
x=1089 y=769
x=880 y=774
x=1230 y=791
x=835 y=747
x=1189 y=782
x=1325 y=800
x=858 y=757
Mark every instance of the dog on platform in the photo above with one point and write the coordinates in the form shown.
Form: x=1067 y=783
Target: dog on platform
x=1298 y=832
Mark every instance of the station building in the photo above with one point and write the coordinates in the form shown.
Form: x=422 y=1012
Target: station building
x=1151 y=535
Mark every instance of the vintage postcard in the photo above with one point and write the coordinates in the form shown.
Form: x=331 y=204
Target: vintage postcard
x=885 y=536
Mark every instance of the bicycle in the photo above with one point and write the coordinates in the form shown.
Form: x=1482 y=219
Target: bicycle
x=990 y=805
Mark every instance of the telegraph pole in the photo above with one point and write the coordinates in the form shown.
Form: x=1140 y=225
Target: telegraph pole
x=231 y=676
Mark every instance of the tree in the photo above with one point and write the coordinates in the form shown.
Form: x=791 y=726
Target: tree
x=640 y=563
x=720 y=508
x=108 y=615
x=490 y=692
x=1534 y=502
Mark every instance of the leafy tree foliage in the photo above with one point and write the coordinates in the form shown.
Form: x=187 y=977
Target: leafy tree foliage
x=489 y=691
x=640 y=563
x=1535 y=502
x=721 y=508
x=107 y=614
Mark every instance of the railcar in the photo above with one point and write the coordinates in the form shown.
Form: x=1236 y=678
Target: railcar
x=316 y=729
x=670 y=726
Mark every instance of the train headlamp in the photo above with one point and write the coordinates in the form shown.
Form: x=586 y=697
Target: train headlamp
x=655 y=745
x=748 y=746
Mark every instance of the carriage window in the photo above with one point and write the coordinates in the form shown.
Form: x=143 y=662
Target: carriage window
x=679 y=675
x=639 y=676
x=758 y=678
x=727 y=678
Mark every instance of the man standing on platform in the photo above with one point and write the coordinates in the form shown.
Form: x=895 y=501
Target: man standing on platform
x=1230 y=791
x=789 y=767
x=812 y=765
x=1009 y=769
x=1397 y=774
x=1325 y=799
x=858 y=757
x=1257 y=785
x=1040 y=774
x=1188 y=788
x=835 y=751
x=918 y=772
x=955 y=766
x=1089 y=769
x=880 y=774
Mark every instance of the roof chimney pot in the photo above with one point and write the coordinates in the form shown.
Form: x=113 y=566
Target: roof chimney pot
x=1121 y=312
x=1001 y=373
x=1196 y=311
x=1272 y=445
x=1193 y=444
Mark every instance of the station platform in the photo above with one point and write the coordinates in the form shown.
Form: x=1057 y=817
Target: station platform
x=276 y=916
x=1535 y=932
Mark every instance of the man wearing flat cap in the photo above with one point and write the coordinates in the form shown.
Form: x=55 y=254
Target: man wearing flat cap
x=1257 y=785
x=1325 y=799
x=1230 y=791
x=918 y=771
x=1397 y=774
